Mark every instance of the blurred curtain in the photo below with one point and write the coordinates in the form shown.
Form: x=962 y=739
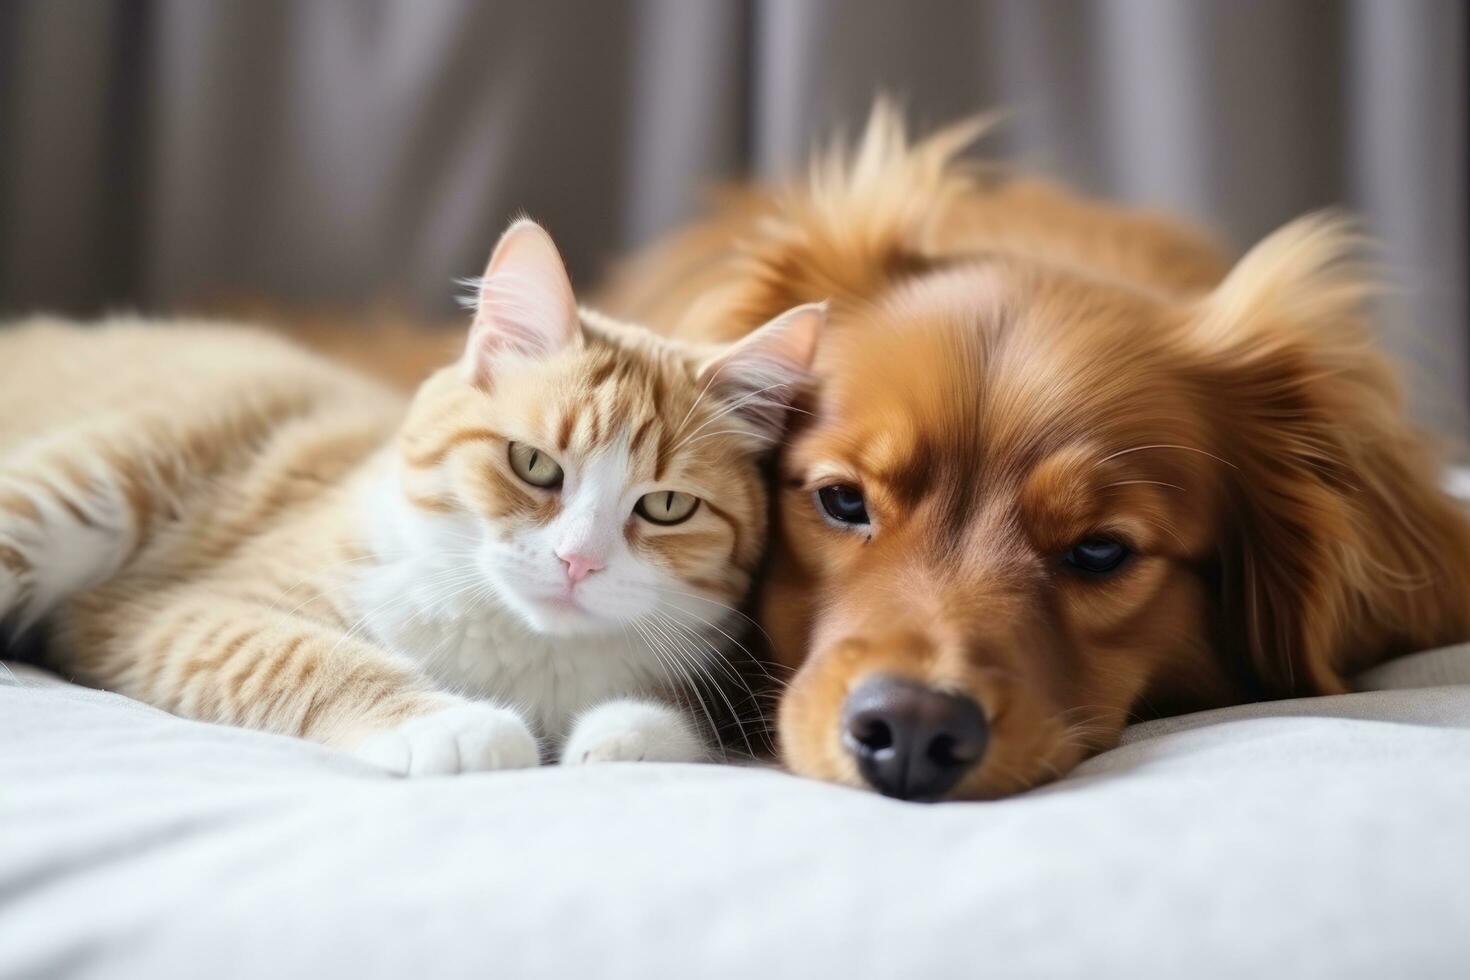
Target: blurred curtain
x=158 y=153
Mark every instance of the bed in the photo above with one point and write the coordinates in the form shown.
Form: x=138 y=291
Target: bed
x=1314 y=838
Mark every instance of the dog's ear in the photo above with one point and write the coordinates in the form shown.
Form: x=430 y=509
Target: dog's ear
x=1342 y=544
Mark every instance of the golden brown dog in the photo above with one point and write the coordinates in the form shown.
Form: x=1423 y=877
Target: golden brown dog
x=1066 y=466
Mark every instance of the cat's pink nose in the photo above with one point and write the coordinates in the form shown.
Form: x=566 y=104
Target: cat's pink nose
x=579 y=566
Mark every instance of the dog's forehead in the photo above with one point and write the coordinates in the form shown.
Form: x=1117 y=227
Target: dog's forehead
x=972 y=382
x=934 y=397
x=892 y=397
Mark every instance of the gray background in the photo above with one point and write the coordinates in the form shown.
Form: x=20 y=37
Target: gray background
x=169 y=153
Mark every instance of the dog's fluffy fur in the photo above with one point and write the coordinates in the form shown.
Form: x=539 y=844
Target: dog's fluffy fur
x=1010 y=369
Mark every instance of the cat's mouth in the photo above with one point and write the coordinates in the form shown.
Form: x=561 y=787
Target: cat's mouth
x=563 y=613
x=560 y=608
x=564 y=602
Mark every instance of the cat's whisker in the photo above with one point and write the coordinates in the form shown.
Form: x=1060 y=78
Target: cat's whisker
x=665 y=656
x=705 y=666
x=446 y=646
x=728 y=409
x=698 y=398
x=700 y=668
x=762 y=664
x=719 y=660
x=720 y=605
x=736 y=643
x=340 y=587
x=681 y=687
x=449 y=577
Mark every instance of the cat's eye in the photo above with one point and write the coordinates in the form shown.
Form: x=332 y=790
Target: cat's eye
x=844 y=503
x=1096 y=555
x=666 y=506
x=534 y=466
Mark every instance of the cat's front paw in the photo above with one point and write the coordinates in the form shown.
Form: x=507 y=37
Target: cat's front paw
x=632 y=731
x=462 y=738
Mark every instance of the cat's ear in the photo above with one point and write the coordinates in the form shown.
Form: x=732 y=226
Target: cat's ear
x=760 y=375
x=525 y=303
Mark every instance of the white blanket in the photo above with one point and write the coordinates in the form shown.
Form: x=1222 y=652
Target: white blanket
x=1322 y=838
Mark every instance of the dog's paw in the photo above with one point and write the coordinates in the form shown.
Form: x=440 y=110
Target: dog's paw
x=462 y=738
x=632 y=731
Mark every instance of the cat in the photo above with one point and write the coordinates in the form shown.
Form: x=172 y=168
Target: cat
x=530 y=560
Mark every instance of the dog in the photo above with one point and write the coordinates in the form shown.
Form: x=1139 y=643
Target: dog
x=1064 y=466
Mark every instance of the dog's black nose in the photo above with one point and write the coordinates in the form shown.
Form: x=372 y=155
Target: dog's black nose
x=911 y=741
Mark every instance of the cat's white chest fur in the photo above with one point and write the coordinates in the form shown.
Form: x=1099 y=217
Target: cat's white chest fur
x=423 y=597
x=472 y=646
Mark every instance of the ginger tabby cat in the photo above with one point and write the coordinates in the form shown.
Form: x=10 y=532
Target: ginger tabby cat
x=534 y=556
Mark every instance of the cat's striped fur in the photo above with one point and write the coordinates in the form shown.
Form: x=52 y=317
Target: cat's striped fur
x=222 y=525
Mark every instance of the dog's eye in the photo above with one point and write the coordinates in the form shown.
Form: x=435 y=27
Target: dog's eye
x=1097 y=556
x=843 y=503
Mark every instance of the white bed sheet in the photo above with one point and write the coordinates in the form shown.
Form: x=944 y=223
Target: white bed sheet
x=1322 y=838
